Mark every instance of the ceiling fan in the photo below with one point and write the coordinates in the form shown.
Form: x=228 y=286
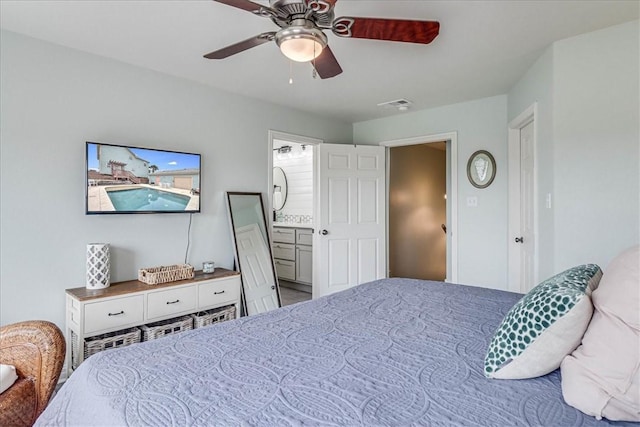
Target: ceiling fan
x=301 y=37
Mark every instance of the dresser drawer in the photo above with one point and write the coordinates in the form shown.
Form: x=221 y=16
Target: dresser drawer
x=284 y=251
x=171 y=301
x=218 y=293
x=286 y=269
x=284 y=235
x=112 y=314
x=304 y=237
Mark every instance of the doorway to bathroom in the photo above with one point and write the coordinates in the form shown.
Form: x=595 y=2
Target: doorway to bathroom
x=292 y=214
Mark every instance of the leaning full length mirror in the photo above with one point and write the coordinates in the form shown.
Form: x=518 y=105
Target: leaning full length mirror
x=253 y=252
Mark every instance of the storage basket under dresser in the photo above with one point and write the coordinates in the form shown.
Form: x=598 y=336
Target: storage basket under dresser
x=99 y=319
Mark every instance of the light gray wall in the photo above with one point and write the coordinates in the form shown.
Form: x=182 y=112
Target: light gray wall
x=587 y=90
x=596 y=141
x=482 y=230
x=53 y=99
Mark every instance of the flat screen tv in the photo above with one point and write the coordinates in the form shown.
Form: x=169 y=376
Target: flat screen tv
x=124 y=180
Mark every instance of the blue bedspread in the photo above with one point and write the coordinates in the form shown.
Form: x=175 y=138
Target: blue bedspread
x=394 y=352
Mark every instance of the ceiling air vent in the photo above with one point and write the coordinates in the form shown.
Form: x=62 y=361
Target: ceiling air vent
x=400 y=104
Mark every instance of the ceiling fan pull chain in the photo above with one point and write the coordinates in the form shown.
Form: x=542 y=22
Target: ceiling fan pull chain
x=314 y=73
x=290 y=72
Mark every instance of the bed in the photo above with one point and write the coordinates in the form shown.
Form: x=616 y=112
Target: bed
x=391 y=352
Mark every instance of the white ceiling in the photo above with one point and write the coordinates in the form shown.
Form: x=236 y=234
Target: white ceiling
x=484 y=47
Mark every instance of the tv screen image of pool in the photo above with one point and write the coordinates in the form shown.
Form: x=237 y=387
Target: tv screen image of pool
x=124 y=179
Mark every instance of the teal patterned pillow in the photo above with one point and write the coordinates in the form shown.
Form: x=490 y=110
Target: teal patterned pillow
x=544 y=326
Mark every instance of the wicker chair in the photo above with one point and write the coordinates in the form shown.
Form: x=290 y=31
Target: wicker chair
x=37 y=349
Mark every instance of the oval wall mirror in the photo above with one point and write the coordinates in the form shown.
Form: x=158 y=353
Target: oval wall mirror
x=279 y=188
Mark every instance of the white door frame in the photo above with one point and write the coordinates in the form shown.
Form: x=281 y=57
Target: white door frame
x=452 y=199
x=513 y=151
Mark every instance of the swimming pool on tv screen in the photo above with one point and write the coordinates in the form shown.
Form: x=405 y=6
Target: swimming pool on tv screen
x=147 y=199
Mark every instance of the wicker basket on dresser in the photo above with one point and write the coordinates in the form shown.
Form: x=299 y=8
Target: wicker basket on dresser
x=108 y=316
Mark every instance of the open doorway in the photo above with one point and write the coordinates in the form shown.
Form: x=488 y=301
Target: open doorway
x=418 y=211
x=450 y=198
x=291 y=201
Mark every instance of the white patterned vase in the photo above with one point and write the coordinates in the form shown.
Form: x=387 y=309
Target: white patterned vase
x=98 y=276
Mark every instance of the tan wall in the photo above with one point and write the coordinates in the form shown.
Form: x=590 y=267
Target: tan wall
x=417 y=209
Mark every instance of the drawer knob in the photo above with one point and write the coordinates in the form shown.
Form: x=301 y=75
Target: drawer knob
x=173 y=302
x=218 y=293
x=116 y=314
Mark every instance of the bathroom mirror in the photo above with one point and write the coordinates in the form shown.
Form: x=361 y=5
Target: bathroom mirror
x=260 y=290
x=280 y=188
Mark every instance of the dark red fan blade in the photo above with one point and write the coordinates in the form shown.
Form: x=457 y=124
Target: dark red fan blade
x=332 y=2
x=241 y=46
x=397 y=30
x=242 y=4
x=326 y=64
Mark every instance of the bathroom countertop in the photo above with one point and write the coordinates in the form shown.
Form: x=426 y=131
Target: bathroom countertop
x=293 y=224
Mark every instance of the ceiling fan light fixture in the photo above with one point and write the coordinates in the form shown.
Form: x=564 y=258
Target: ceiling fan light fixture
x=301 y=49
x=301 y=43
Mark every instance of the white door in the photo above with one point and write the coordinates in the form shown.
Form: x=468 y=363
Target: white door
x=522 y=208
x=259 y=283
x=349 y=240
x=526 y=239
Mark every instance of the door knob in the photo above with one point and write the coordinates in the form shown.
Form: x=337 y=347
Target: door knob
x=324 y=232
x=519 y=239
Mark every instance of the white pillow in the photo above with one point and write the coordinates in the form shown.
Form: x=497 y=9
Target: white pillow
x=602 y=376
x=544 y=326
x=8 y=376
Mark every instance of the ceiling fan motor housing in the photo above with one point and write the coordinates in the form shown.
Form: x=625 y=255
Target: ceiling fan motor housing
x=292 y=10
x=301 y=29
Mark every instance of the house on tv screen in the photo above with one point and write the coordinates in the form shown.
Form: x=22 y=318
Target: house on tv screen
x=187 y=179
x=121 y=164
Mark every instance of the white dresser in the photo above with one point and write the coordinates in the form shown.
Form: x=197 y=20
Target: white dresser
x=293 y=253
x=92 y=312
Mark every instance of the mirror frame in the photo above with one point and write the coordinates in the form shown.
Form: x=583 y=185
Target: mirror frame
x=472 y=174
x=284 y=189
x=235 y=246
